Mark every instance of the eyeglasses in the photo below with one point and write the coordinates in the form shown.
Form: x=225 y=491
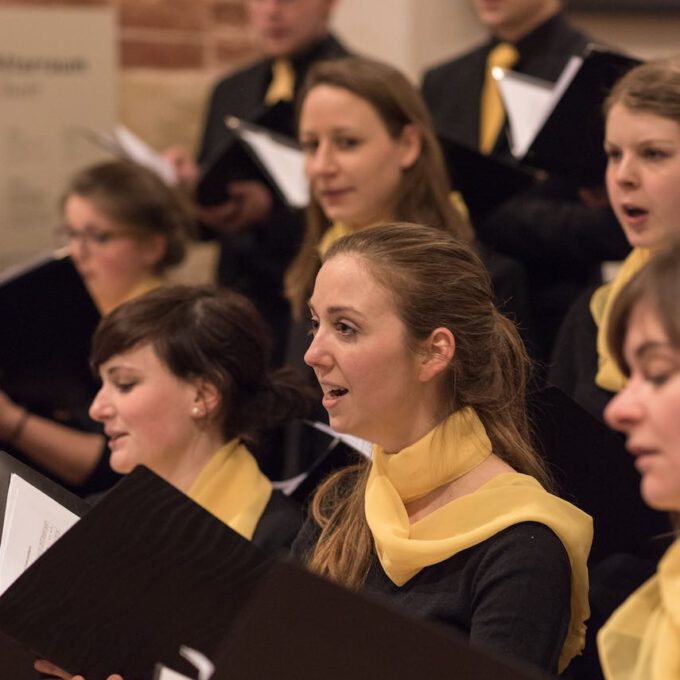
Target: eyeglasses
x=89 y=238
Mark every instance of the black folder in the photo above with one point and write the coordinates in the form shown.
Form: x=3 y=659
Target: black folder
x=485 y=181
x=233 y=159
x=48 y=319
x=297 y=626
x=595 y=472
x=570 y=143
x=11 y=466
x=145 y=571
x=16 y=660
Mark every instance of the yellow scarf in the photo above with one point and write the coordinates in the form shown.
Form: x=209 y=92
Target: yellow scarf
x=145 y=286
x=609 y=377
x=334 y=233
x=232 y=488
x=453 y=448
x=641 y=640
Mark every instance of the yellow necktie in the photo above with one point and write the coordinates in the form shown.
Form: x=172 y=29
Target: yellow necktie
x=282 y=87
x=491 y=110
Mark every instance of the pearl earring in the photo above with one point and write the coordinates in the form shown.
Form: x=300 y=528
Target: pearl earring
x=195 y=411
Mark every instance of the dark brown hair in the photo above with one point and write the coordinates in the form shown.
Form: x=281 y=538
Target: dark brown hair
x=657 y=285
x=218 y=335
x=423 y=196
x=138 y=199
x=435 y=281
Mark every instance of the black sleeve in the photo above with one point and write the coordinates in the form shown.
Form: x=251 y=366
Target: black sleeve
x=521 y=596
x=305 y=540
x=543 y=225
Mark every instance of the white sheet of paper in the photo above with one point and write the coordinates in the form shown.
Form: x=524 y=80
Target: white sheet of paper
x=140 y=152
x=33 y=522
x=363 y=446
x=285 y=164
x=530 y=101
x=200 y=661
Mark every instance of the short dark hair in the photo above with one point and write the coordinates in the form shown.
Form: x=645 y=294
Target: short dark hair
x=215 y=334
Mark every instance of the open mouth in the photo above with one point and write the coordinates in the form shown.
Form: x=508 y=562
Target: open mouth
x=633 y=211
x=331 y=396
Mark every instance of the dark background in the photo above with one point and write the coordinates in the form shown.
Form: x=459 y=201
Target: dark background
x=621 y=6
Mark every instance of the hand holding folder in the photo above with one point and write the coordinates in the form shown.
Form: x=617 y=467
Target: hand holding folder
x=254 y=152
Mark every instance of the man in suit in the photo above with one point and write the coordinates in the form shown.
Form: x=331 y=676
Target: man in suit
x=559 y=231
x=258 y=235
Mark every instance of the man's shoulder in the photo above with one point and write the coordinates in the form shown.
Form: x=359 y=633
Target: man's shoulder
x=332 y=48
x=462 y=63
x=256 y=71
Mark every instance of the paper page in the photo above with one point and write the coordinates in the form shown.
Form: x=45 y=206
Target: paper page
x=525 y=100
x=363 y=446
x=140 y=152
x=33 y=522
x=530 y=101
x=164 y=673
x=284 y=164
x=200 y=661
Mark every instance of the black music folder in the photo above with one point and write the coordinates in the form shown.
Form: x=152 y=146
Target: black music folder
x=594 y=471
x=570 y=134
x=48 y=319
x=11 y=466
x=144 y=571
x=255 y=151
x=484 y=181
x=297 y=626
x=16 y=661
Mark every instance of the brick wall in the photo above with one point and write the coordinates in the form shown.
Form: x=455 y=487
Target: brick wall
x=175 y=34
x=171 y=51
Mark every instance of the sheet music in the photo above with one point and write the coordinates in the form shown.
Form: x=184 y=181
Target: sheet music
x=530 y=101
x=33 y=522
x=285 y=164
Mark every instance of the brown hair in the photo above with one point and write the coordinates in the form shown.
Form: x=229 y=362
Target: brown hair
x=652 y=87
x=206 y=332
x=435 y=280
x=424 y=192
x=137 y=198
x=658 y=285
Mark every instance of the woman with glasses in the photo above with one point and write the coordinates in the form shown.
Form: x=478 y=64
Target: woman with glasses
x=124 y=228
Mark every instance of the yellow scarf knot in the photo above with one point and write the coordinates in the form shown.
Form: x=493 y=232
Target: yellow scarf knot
x=232 y=487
